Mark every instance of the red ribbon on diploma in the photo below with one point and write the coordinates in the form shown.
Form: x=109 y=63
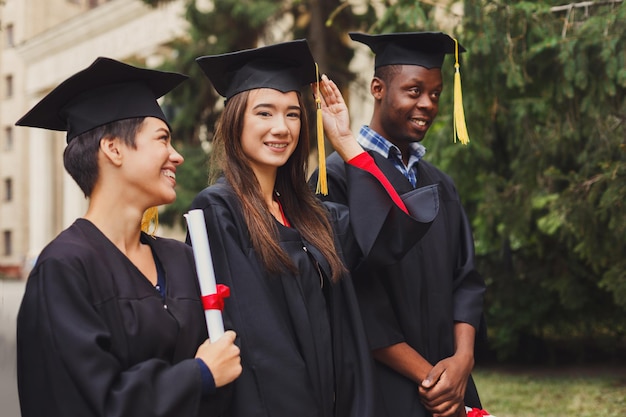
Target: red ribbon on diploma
x=477 y=412
x=216 y=301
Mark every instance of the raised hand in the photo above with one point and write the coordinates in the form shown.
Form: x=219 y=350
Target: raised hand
x=337 y=120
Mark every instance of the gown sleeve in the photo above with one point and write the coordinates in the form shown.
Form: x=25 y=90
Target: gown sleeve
x=382 y=228
x=468 y=284
x=65 y=367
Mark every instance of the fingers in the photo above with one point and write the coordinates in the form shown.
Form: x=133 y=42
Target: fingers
x=330 y=92
x=432 y=377
x=443 y=401
x=229 y=336
x=330 y=95
x=440 y=395
x=222 y=358
x=448 y=409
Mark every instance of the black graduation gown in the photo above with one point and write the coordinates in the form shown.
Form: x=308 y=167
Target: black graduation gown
x=95 y=338
x=418 y=299
x=303 y=346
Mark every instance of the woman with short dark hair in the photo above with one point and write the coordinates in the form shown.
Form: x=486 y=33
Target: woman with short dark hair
x=111 y=323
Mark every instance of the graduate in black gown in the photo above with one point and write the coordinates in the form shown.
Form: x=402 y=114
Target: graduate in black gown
x=422 y=314
x=281 y=251
x=111 y=322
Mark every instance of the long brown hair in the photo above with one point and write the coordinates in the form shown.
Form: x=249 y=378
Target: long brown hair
x=304 y=210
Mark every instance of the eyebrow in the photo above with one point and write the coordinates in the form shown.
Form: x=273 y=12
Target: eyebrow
x=273 y=106
x=164 y=130
x=421 y=82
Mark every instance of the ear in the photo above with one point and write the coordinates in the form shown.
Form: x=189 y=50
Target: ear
x=377 y=88
x=111 y=148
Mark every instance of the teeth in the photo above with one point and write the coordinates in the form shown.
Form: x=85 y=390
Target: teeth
x=277 y=145
x=420 y=122
x=169 y=174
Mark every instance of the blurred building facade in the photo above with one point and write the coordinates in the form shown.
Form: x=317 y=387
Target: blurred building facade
x=42 y=43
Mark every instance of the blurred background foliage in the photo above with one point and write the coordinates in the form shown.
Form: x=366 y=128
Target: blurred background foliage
x=544 y=176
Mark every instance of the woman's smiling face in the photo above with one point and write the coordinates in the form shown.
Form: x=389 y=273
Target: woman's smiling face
x=271 y=128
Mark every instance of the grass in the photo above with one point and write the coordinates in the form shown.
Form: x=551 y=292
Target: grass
x=553 y=392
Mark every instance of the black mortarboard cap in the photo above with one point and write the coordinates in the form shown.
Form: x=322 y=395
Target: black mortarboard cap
x=104 y=92
x=286 y=66
x=426 y=49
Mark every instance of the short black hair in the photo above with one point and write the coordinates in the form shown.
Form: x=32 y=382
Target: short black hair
x=80 y=157
x=387 y=72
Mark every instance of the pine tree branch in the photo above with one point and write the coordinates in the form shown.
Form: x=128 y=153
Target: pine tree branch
x=584 y=4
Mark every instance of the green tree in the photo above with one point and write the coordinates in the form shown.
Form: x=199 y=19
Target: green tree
x=547 y=110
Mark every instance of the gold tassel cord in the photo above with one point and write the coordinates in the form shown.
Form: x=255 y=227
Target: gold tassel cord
x=322 y=186
x=460 y=128
x=150 y=221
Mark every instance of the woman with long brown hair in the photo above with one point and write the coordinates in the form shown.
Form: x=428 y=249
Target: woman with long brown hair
x=284 y=254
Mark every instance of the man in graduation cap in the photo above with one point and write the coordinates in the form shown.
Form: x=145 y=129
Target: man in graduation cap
x=111 y=323
x=422 y=313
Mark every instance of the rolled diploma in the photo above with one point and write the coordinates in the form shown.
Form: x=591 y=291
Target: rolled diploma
x=204 y=267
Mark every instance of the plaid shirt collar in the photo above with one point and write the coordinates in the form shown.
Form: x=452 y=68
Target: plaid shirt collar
x=370 y=140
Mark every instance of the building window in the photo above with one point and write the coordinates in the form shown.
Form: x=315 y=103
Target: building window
x=10 y=39
x=8 y=189
x=8 y=138
x=8 y=85
x=8 y=243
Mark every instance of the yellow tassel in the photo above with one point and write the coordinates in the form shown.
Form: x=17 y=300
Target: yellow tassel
x=322 y=186
x=460 y=128
x=150 y=221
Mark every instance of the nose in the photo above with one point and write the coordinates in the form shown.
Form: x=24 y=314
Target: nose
x=175 y=157
x=280 y=127
x=425 y=102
